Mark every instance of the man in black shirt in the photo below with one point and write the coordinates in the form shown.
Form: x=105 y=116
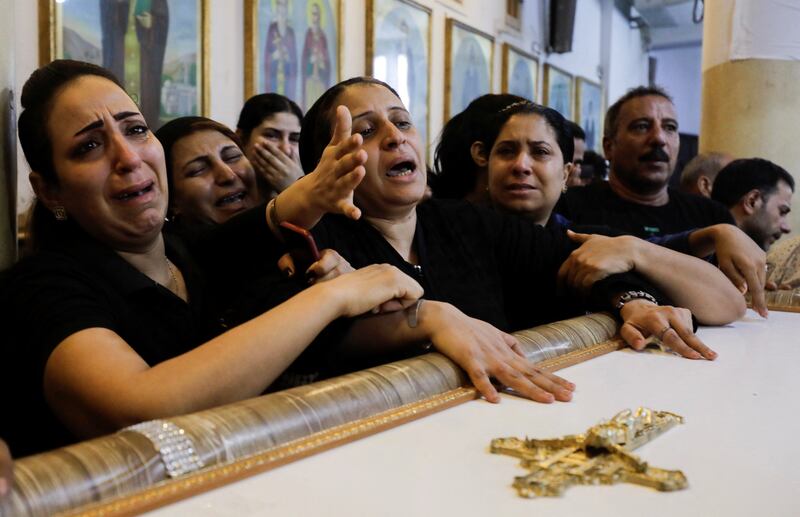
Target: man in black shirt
x=641 y=143
x=759 y=195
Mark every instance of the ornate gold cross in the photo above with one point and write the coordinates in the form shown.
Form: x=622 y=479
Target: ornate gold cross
x=600 y=456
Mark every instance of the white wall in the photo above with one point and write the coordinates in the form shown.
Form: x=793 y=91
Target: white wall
x=628 y=61
x=678 y=70
x=585 y=58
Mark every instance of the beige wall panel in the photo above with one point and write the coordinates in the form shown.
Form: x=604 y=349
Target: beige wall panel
x=752 y=108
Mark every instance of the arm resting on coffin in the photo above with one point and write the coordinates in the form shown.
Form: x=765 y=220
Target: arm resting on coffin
x=482 y=350
x=687 y=281
x=96 y=383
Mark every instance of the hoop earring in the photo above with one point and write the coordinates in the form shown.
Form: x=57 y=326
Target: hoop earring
x=60 y=213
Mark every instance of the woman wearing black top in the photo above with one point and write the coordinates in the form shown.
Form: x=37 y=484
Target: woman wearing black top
x=107 y=321
x=499 y=153
x=474 y=265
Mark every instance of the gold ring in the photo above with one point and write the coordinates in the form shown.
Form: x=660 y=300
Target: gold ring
x=662 y=332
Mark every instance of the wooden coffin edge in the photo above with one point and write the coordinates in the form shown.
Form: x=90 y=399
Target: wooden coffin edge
x=168 y=492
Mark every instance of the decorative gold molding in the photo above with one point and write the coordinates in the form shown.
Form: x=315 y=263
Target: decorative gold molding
x=168 y=492
x=369 y=32
x=783 y=308
x=47 y=49
x=448 y=65
x=205 y=48
x=172 y=491
x=50 y=45
x=370 y=52
x=505 y=63
x=548 y=68
x=251 y=37
x=579 y=85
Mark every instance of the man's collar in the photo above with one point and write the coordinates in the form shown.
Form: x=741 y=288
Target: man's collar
x=660 y=198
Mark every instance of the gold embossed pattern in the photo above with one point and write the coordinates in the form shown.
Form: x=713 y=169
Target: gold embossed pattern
x=124 y=474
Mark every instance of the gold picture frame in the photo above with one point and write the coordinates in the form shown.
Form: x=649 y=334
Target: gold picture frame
x=402 y=44
x=520 y=75
x=589 y=112
x=84 y=42
x=558 y=90
x=469 y=54
x=307 y=89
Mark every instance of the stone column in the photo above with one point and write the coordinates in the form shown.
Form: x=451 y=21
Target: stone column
x=751 y=83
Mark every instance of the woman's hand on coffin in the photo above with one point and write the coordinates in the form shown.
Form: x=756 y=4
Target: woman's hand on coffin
x=375 y=288
x=484 y=352
x=329 y=266
x=340 y=169
x=671 y=326
x=597 y=257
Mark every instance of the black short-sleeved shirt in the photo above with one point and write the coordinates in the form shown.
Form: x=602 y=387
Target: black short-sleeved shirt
x=494 y=267
x=597 y=204
x=77 y=284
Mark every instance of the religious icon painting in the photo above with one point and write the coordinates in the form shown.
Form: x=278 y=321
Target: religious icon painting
x=589 y=112
x=398 y=53
x=469 y=55
x=157 y=48
x=558 y=90
x=292 y=48
x=520 y=72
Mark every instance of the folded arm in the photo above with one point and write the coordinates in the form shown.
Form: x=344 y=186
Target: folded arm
x=686 y=281
x=96 y=383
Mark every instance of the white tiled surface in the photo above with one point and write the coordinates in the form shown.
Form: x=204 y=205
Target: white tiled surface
x=739 y=447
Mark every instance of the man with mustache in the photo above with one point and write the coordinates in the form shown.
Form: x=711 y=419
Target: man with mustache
x=640 y=141
x=759 y=195
x=641 y=144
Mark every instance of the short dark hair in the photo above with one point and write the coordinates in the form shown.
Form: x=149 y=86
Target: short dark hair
x=595 y=167
x=455 y=170
x=38 y=95
x=612 y=115
x=178 y=128
x=317 y=128
x=741 y=176
x=577 y=131
x=261 y=106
